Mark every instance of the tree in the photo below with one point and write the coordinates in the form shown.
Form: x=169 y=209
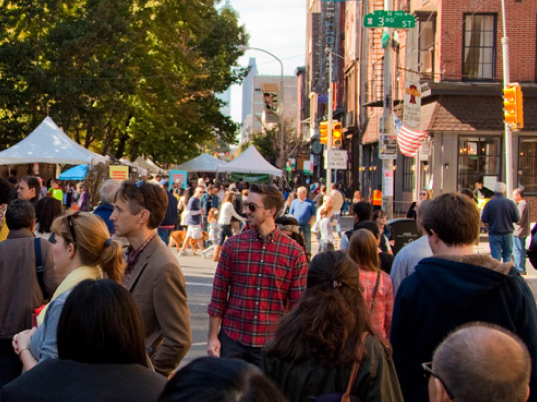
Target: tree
x=123 y=77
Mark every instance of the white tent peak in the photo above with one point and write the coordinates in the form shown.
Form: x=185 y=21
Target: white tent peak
x=251 y=161
x=201 y=163
x=48 y=144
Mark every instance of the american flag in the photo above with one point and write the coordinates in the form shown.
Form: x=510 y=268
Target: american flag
x=409 y=140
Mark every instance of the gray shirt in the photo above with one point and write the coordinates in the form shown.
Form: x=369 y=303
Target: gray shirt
x=522 y=227
x=407 y=259
x=43 y=342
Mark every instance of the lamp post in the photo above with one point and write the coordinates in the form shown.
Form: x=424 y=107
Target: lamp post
x=280 y=103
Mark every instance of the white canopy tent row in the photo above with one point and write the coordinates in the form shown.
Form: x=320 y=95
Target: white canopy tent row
x=250 y=162
x=202 y=163
x=49 y=144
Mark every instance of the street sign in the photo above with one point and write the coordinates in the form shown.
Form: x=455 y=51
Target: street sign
x=387 y=146
x=336 y=159
x=389 y=19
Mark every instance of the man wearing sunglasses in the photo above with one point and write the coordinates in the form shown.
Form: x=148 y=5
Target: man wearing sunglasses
x=260 y=276
x=153 y=275
x=479 y=362
x=452 y=288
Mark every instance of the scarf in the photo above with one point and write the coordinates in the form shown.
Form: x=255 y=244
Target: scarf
x=70 y=281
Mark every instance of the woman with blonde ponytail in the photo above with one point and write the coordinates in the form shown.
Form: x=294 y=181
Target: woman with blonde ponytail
x=315 y=345
x=83 y=250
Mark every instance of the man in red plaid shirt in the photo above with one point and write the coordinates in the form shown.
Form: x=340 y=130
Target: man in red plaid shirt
x=260 y=276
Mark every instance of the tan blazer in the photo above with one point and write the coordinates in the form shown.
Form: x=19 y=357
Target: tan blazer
x=158 y=286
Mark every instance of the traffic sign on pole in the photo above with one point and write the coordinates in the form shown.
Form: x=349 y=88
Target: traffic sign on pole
x=389 y=19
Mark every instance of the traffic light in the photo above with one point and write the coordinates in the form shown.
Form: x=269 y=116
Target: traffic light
x=513 y=108
x=336 y=134
x=323 y=130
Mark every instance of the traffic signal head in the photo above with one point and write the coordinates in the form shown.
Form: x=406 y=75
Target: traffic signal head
x=513 y=108
x=323 y=131
x=336 y=134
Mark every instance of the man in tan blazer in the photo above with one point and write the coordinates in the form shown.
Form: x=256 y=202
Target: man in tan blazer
x=153 y=275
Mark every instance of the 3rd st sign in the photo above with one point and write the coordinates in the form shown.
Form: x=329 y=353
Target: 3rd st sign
x=389 y=19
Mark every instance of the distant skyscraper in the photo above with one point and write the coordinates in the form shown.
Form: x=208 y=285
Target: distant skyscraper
x=248 y=89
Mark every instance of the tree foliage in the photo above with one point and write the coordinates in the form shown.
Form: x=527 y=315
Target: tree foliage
x=124 y=77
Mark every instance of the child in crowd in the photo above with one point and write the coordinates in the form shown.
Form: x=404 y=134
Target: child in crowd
x=214 y=231
x=327 y=237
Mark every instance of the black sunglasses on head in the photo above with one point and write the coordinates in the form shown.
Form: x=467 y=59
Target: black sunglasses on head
x=428 y=372
x=72 y=226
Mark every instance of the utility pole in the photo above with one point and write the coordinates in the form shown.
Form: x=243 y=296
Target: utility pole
x=388 y=126
x=328 y=52
x=508 y=132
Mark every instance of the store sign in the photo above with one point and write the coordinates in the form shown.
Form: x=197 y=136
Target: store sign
x=119 y=172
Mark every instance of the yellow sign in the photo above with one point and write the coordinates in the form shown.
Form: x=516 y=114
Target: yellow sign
x=119 y=172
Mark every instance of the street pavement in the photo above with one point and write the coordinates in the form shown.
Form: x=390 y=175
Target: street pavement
x=199 y=275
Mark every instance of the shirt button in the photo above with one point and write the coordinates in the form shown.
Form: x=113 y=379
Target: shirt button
x=255 y=318
x=258 y=288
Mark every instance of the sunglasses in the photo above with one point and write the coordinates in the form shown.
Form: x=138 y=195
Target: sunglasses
x=72 y=226
x=428 y=372
x=252 y=207
x=423 y=193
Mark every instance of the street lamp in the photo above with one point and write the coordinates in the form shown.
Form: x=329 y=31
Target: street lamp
x=244 y=48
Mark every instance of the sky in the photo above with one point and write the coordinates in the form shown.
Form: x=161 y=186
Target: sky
x=278 y=26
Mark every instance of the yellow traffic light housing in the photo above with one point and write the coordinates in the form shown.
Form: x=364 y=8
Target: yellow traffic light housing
x=336 y=134
x=513 y=107
x=323 y=131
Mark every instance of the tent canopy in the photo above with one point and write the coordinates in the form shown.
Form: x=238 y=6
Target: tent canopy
x=250 y=161
x=75 y=173
x=149 y=165
x=48 y=144
x=202 y=163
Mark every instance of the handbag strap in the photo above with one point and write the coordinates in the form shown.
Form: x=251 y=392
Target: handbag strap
x=355 y=366
x=39 y=267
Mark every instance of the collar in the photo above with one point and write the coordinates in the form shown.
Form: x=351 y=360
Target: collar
x=20 y=233
x=270 y=238
x=132 y=252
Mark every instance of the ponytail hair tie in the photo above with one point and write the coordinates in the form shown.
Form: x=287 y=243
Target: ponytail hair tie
x=107 y=242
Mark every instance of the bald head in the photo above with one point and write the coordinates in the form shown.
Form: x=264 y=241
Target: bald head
x=482 y=362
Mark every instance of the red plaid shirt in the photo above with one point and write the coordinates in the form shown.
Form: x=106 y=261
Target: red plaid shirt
x=255 y=284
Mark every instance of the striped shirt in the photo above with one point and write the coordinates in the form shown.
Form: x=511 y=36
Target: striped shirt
x=256 y=282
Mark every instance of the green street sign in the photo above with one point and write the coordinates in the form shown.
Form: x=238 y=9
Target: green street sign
x=389 y=19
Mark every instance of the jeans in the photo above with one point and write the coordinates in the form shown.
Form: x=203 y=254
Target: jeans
x=337 y=216
x=501 y=246
x=519 y=244
x=306 y=230
x=164 y=234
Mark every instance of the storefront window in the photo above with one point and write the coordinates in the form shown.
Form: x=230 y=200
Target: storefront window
x=527 y=164
x=479 y=157
x=408 y=173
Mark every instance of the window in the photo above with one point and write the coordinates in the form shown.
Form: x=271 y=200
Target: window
x=408 y=173
x=426 y=43
x=479 y=157
x=479 y=46
x=527 y=164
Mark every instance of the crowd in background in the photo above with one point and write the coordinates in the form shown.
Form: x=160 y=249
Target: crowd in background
x=93 y=300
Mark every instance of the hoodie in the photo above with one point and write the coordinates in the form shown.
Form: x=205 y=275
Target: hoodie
x=446 y=292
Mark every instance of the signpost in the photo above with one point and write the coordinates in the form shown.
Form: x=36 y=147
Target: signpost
x=336 y=159
x=389 y=19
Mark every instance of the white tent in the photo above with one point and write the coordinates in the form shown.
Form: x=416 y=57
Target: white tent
x=202 y=163
x=126 y=162
x=150 y=166
x=48 y=144
x=250 y=161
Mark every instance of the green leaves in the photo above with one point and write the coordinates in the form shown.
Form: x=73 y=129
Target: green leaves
x=122 y=77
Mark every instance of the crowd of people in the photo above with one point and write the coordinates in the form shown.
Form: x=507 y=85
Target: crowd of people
x=94 y=302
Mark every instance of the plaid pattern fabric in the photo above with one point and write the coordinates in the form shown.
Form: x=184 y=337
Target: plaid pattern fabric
x=133 y=256
x=255 y=284
x=381 y=313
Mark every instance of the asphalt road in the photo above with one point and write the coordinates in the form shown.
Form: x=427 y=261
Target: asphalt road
x=199 y=275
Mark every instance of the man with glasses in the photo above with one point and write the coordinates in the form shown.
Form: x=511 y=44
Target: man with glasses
x=479 y=362
x=452 y=288
x=153 y=275
x=260 y=276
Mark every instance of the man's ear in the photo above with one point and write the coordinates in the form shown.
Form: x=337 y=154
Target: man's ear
x=144 y=217
x=437 y=392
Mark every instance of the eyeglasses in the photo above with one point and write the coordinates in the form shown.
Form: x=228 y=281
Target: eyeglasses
x=72 y=226
x=428 y=372
x=423 y=193
x=252 y=207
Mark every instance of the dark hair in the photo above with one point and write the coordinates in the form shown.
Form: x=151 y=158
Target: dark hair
x=454 y=218
x=379 y=213
x=20 y=214
x=100 y=324
x=5 y=191
x=329 y=318
x=272 y=197
x=371 y=226
x=362 y=210
x=469 y=193
x=92 y=245
x=46 y=210
x=212 y=379
x=33 y=182
x=298 y=237
x=143 y=194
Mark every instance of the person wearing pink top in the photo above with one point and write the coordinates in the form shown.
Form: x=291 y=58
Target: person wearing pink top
x=377 y=286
